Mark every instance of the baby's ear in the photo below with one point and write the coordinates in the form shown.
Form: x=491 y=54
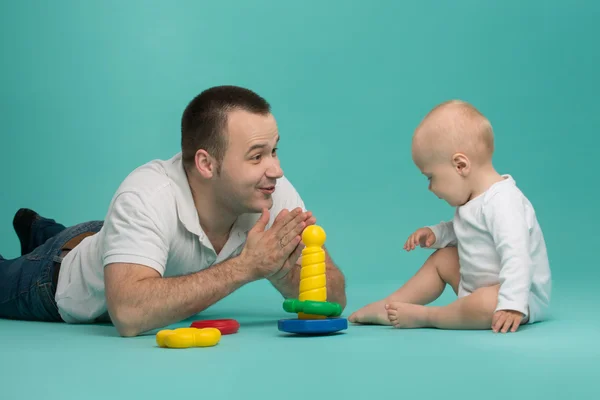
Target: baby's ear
x=461 y=163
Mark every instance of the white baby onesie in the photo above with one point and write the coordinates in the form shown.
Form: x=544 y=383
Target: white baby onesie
x=500 y=241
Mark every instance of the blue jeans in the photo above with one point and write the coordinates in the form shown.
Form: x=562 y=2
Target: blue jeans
x=28 y=283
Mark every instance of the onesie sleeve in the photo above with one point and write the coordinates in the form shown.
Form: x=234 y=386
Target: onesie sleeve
x=134 y=233
x=504 y=214
x=444 y=235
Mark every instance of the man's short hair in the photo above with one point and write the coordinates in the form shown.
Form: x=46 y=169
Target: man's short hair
x=205 y=118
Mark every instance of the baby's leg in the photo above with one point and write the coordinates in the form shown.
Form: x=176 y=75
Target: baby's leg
x=474 y=311
x=441 y=268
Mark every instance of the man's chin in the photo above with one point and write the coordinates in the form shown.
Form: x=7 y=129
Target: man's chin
x=258 y=206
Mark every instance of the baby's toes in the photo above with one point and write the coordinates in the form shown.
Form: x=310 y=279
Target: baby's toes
x=392 y=315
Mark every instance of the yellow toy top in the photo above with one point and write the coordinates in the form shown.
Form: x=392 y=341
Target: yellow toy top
x=313 y=236
x=313 y=282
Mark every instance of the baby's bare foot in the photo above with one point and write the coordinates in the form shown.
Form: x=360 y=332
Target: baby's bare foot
x=372 y=314
x=405 y=315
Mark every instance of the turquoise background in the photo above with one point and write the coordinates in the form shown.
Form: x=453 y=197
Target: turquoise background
x=91 y=90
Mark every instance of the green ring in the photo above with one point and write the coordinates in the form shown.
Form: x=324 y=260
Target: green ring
x=324 y=308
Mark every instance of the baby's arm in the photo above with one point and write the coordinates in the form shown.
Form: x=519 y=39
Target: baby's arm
x=434 y=236
x=444 y=235
x=505 y=217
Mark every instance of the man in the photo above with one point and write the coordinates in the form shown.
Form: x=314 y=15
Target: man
x=179 y=234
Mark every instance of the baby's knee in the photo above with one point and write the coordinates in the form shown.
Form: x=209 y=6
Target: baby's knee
x=446 y=259
x=488 y=298
x=447 y=265
x=447 y=253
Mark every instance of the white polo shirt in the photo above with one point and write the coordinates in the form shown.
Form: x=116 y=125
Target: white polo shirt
x=152 y=221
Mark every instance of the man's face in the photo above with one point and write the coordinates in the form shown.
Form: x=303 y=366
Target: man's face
x=250 y=167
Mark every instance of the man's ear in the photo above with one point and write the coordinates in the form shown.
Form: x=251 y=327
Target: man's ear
x=205 y=164
x=461 y=164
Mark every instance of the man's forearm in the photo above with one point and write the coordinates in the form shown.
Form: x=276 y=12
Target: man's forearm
x=156 y=302
x=336 y=285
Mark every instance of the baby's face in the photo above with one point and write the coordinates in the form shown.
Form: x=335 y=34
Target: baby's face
x=446 y=182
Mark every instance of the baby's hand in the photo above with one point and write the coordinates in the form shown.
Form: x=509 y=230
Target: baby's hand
x=423 y=237
x=504 y=319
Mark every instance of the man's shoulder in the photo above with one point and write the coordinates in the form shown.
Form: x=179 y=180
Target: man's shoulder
x=284 y=188
x=286 y=195
x=147 y=178
x=149 y=184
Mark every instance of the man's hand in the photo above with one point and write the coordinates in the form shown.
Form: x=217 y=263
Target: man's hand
x=292 y=261
x=267 y=252
x=504 y=319
x=289 y=264
x=423 y=237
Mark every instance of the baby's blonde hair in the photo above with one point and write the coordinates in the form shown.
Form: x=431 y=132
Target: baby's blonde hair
x=454 y=126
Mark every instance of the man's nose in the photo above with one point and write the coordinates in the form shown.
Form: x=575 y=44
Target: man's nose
x=274 y=170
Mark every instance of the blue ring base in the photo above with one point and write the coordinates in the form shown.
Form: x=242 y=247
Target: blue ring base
x=312 y=326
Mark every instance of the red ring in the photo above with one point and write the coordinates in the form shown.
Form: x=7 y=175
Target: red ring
x=226 y=326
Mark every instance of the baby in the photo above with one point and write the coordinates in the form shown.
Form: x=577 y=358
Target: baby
x=492 y=253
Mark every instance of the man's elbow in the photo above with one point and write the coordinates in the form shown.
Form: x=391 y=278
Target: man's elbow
x=125 y=318
x=121 y=281
x=128 y=331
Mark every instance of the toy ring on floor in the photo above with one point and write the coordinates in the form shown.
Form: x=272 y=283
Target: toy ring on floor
x=313 y=326
x=324 y=308
x=226 y=326
x=183 y=338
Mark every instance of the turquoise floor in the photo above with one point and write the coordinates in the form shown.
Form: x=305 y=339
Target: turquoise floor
x=551 y=360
